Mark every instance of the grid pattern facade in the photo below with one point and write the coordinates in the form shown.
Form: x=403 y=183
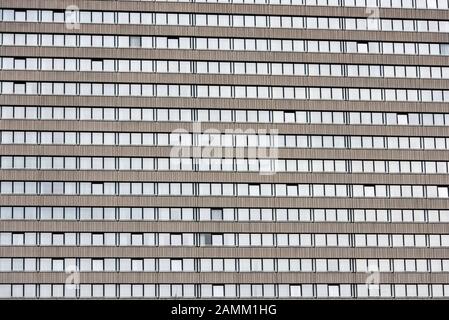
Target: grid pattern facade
x=291 y=149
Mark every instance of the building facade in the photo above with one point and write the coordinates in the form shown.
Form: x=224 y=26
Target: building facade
x=224 y=149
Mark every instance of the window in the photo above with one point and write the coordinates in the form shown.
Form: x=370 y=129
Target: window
x=444 y=49
x=217 y=214
x=137 y=239
x=176 y=265
x=97 y=264
x=135 y=42
x=442 y=192
x=217 y=239
x=218 y=291
x=206 y=239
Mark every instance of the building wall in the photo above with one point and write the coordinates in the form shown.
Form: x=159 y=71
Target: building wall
x=428 y=283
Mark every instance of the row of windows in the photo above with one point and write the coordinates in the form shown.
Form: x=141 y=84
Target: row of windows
x=219 y=91
x=223 y=239
x=184 y=141
x=280 y=165
x=212 y=164
x=223 y=291
x=225 y=214
x=223 y=44
x=223 y=20
x=407 y=4
x=225 y=67
x=223 y=115
x=213 y=67
x=222 y=189
x=220 y=265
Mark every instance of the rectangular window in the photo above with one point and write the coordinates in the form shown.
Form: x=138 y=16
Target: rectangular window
x=217 y=214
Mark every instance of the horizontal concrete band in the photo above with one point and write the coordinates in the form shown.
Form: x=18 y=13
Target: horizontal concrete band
x=217 y=103
x=232 y=227
x=281 y=153
x=224 y=202
x=220 y=8
x=216 y=55
x=227 y=32
x=225 y=128
x=223 y=252
x=225 y=177
x=212 y=79
x=223 y=277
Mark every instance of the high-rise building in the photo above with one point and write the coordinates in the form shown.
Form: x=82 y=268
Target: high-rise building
x=224 y=148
